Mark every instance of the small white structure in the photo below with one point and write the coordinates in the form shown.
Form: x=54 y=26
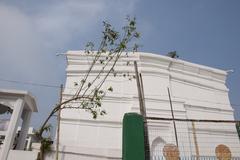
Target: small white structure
x=197 y=91
x=21 y=104
x=31 y=138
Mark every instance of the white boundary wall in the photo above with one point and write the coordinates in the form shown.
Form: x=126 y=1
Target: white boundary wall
x=197 y=91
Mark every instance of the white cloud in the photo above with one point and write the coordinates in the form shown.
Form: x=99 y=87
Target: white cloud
x=31 y=35
x=27 y=40
x=19 y=45
x=59 y=22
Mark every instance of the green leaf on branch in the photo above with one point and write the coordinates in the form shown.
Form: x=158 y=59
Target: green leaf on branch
x=101 y=92
x=122 y=45
x=99 y=104
x=136 y=34
x=101 y=61
x=110 y=89
x=89 y=84
x=82 y=81
x=103 y=112
x=94 y=114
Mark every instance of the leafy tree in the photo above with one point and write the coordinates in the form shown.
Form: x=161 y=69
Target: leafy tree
x=173 y=54
x=238 y=129
x=90 y=92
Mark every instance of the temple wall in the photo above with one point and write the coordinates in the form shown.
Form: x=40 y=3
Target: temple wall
x=197 y=92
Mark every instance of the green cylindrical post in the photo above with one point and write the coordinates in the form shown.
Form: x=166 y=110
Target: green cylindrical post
x=133 y=137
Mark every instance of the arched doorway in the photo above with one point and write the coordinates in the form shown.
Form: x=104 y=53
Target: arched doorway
x=157 y=147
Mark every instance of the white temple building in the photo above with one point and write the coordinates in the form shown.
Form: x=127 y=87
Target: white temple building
x=20 y=104
x=197 y=92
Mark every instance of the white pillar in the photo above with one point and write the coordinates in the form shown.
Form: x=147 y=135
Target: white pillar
x=12 y=128
x=29 y=141
x=24 y=130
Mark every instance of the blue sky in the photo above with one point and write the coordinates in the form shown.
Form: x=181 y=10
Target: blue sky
x=31 y=33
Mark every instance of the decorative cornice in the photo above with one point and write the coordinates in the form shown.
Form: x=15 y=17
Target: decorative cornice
x=153 y=64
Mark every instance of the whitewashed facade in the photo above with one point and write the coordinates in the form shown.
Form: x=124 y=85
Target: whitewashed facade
x=198 y=92
x=20 y=104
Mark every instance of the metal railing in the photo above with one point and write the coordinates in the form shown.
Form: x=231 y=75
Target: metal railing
x=197 y=139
